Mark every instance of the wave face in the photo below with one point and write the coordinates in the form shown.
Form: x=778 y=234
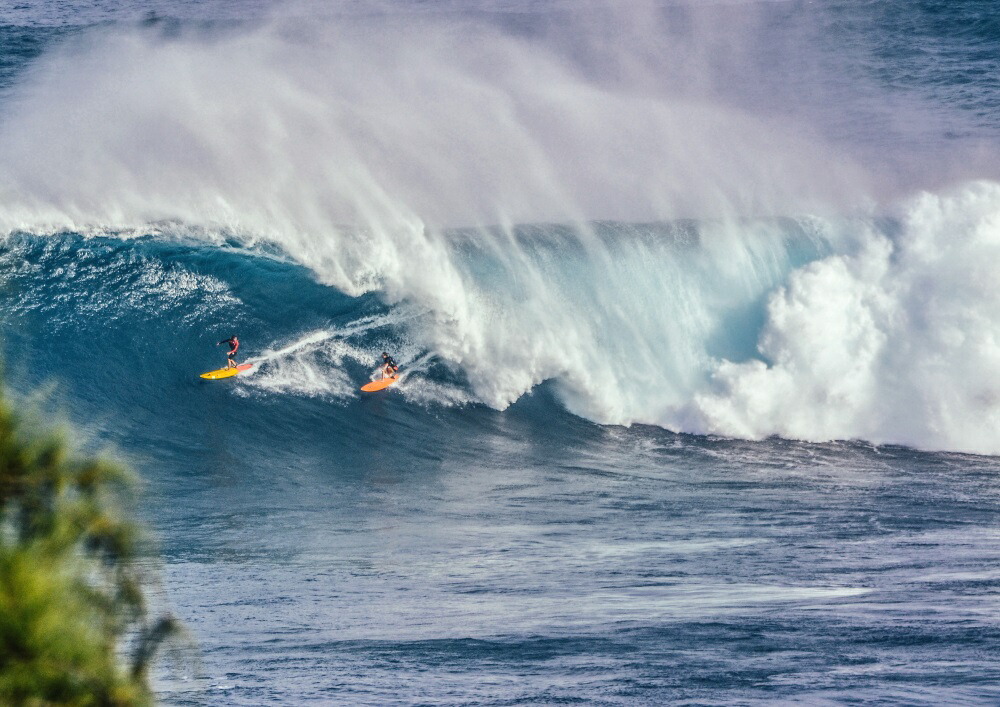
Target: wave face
x=668 y=235
x=872 y=329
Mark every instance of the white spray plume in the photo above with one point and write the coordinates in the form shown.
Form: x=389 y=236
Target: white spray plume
x=365 y=120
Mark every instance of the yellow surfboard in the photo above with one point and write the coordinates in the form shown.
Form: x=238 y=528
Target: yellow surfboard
x=379 y=385
x=227 y=372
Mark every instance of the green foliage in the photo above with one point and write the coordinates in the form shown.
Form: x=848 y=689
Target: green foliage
x=70 y=577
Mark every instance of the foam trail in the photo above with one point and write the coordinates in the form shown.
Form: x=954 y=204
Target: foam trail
x=313 y=366
x=357 y=327
x=399 y=316
x=308 y=341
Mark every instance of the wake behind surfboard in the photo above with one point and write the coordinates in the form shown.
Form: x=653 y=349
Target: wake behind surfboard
x=227 y=372
x=379 y=384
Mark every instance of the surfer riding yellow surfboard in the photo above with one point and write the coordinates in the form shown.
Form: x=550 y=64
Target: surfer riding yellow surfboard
x=232 y=368
x=235 y=343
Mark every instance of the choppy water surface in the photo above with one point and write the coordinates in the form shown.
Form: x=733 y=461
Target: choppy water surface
x=628 y=566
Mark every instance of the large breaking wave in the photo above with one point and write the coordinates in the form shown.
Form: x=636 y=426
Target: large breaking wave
x=661 y=253
x=877 y=329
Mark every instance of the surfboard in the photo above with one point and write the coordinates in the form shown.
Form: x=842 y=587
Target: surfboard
x=379 y=385
x=227 y=372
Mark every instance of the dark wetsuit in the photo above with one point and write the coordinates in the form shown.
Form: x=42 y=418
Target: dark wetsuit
x=387 y=361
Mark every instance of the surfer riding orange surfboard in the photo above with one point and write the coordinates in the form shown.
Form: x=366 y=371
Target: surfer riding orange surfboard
x=389 y=366
x=390 y=374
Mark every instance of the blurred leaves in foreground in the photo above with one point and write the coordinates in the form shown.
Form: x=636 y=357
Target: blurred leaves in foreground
x=73 y=622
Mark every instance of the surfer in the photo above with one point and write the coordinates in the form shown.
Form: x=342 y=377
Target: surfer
x=235 y=344
x=389 y=366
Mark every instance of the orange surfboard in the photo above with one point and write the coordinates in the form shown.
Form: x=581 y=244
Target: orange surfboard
x=379 y=385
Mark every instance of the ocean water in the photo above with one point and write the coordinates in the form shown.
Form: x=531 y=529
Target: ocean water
x=695 y=303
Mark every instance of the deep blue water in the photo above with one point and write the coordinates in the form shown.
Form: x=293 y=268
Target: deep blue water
x=570 y=497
